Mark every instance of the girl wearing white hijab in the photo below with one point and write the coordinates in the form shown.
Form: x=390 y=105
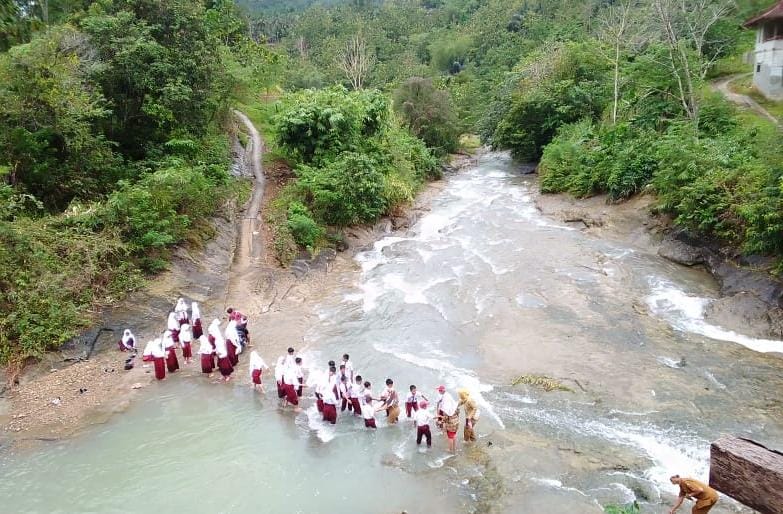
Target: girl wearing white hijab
x=172 y=363
x=450 y=420
x=173 y=326
x=233 y=345
x=279 y=368
x=146 y=355
x=224 y=363
x=257 y=367
x=182 y=311
x=186 y=337
x=206 y=351
x=195 y=316
x=159 y=357
x=128 y=341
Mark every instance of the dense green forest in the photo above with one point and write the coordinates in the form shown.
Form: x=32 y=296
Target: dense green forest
x=114 y=118
x=113 y=148
x=611 y=96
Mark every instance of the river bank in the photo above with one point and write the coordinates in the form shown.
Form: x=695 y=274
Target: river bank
x=66 y=393
x=751 y=297
x=482 y=289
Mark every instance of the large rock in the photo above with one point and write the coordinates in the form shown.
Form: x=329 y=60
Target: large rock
x=748 y=472
x=747 y=314
x=681 y=252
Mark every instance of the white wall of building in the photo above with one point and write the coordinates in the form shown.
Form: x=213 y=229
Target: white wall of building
x=768 y=70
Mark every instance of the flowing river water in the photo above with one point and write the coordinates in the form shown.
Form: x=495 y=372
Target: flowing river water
x=481 y=290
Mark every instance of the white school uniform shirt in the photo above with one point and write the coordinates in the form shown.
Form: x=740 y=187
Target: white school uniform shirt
x=186 y=334
x=328 y=392
x=279 y=370
x=422 y=417
x=346 y=389
x=413 y=398
x=289 y=376
x=368 y=411
x=348 y=369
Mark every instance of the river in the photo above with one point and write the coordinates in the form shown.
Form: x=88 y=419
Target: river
x=481 y=290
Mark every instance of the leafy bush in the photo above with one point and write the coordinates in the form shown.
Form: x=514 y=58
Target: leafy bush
x=304 y=229
x=559 y=87
x=631 y=508
x=428 y=113
x=346 y=191
x=318 y=125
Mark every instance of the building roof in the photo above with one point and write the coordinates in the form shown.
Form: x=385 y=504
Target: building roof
x=773 y=13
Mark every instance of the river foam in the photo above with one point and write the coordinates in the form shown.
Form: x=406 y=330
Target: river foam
x=685 y=312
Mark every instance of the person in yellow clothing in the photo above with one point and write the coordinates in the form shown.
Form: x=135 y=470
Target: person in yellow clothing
x=471 y=414
x=705 y=496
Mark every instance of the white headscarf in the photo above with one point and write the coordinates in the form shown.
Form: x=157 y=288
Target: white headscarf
x=448 y=405
x=233 y=335
x=168 y=341
x=173 y=324
x=256 y=362
x=185 y=333
x=205 y=347
x=214 y=328
x=148 y=349
x=278 y=369
x=195 y=312
x=182 y=306
x=127 y=337
x=220 y=343
x=157 y=349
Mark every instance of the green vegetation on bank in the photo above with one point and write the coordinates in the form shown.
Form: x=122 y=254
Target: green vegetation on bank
x=112 y=150
x=113 y=117
x=353 y=161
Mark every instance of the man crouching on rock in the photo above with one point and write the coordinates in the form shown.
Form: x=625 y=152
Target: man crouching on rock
x=705 y=496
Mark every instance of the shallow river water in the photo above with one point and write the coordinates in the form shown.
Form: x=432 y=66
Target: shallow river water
x=481 y=290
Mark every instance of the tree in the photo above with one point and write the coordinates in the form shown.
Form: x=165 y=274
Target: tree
x=685 y=25
x=621 y=29
x=428 y=113
x=356 y=61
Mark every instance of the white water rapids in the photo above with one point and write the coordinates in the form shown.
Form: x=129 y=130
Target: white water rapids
x=481 y=290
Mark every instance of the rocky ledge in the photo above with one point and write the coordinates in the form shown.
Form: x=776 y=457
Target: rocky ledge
x=751 y=297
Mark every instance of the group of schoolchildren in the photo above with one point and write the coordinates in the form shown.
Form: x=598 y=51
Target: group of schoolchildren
x=217 y=349
x=337 y=386
x=342 y=386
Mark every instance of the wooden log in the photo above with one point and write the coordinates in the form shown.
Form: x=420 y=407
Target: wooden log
x=748 y=472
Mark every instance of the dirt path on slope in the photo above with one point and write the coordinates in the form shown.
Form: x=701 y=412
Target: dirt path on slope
x=722 y=86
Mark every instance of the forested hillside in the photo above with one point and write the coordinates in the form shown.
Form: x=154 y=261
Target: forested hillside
x=113 y=121
x=113 y=148
x=611 y=96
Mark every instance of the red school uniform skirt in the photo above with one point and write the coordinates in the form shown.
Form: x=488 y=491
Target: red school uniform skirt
x=172 y=363
x=160 y=368
x=290 y=394
x=207 y=363
x=256 y=376
x=224 y=363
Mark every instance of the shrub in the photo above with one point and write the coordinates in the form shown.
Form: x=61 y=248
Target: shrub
x=631 y=508
x=428 y=113
x=304 y=229
x=345 y=191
